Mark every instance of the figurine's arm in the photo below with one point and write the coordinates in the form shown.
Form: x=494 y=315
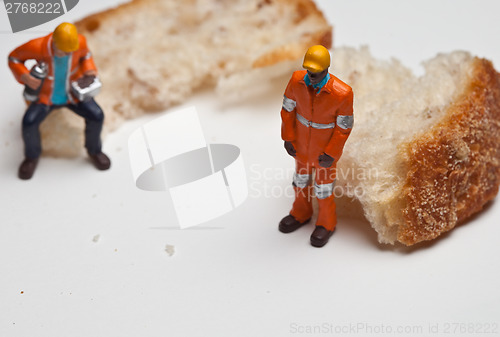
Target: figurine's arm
x=343 y=127
x=288 y=118
x=28 y=51
x=86 y=61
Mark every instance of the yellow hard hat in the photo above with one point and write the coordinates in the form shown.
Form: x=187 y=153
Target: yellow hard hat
x=66 y=37
x=317 y=59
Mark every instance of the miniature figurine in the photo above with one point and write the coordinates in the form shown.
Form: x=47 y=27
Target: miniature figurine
x=317 y=118
x=65 y=76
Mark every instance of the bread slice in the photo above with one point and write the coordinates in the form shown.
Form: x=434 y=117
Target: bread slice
x=424 y=153
x=152 y=54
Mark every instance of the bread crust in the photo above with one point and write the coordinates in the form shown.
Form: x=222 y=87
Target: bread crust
x=454 y=168
x=93 y=21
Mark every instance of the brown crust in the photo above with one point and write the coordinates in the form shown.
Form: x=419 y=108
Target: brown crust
x=93 y=22
x=454 y=168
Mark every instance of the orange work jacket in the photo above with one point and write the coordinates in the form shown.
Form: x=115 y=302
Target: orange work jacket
x=333 y=105
x=40 y=49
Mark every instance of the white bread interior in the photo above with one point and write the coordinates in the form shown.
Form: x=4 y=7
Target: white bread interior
x=152 y=54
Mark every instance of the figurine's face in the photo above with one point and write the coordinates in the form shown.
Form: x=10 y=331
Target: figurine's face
x=58 y=52
x=317 y=77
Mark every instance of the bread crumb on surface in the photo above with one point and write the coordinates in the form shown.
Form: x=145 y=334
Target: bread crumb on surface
x=170 y=249
x=96 y=238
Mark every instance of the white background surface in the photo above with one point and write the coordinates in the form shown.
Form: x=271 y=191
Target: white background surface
x=236 y=275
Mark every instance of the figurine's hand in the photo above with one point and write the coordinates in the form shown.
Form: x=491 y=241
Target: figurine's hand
x=32 y=82
x=325 y=160
x=85 y=80
x=90 y=73
x=290 y=149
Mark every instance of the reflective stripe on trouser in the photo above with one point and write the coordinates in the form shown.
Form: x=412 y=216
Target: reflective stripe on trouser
x=323 y=189
x=301 y=180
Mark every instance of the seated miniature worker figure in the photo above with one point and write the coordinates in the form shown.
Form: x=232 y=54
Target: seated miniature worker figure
x=67 y=58
x=317 y=117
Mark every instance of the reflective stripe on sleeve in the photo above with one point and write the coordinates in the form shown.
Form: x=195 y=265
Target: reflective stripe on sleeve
x=14 y=60
x=289 y=104
x=301 y=180
x=345 y=122
x=324 y=190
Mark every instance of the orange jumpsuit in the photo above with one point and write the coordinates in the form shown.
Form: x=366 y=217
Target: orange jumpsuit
x=41 y=50
x=316 y=123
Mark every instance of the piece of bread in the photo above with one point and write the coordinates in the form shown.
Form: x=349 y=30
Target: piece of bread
x=152 y=54
x=424 y=153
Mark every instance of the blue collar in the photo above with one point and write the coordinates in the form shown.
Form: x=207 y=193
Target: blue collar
x=318 y=86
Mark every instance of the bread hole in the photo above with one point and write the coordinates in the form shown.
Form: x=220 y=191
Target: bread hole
x=326 y=40
x=263 y=3
x=118 y=107
x=173 y=31
x=222 y=65
x=260 y=24
x=353 y=77
x=125 y=31
x=92 y=25
x=303 y=12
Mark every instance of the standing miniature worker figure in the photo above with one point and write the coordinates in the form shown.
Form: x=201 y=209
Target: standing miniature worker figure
x=317 y=117
x=68 y=63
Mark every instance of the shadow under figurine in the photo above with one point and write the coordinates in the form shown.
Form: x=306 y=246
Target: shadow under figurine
x=65 y=76
x=317 y=118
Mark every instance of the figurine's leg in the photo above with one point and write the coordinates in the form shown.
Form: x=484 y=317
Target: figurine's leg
x=327 y=216
x=94 y=119
x=34 y=116
x=302 y=206
x=323 y=189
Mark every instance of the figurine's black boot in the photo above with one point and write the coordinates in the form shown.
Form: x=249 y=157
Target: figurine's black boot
x=320 y=236
x=289 y=224
x=27 y=168
x=100 y=161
